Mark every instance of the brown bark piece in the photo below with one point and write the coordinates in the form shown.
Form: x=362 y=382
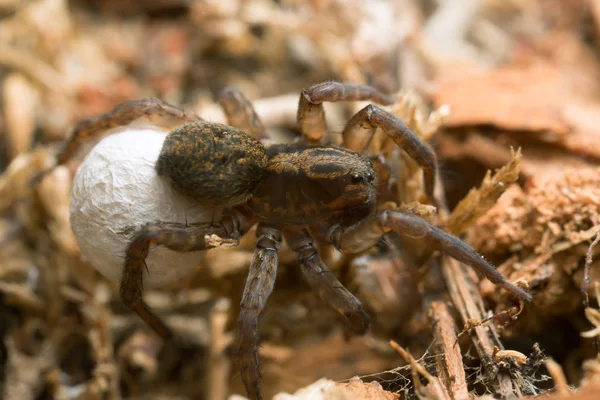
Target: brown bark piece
x=450 y=365
x=357 y=389
x=512 y=98
x=465 y=296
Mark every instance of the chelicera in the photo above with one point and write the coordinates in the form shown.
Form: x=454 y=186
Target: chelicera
x=291 y=191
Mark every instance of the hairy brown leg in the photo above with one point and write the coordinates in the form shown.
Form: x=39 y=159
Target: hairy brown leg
x=155 y=110
x=259 y=285
x=311 y=114
x=322 y=280
x=240 y=113
x=366 y=121
x=371 y=229
x=177 y=237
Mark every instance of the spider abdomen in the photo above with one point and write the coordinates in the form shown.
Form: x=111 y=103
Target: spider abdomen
x=214 y=163
x=304 y=185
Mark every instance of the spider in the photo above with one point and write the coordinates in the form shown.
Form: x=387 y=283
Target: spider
x=293 y=192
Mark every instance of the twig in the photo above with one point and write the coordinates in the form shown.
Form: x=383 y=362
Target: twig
x=467 y=299
x=32 y=67
x=450 y=366
x=593 y=315
x=218 y=375
x=586 y=282
x=586 y=270
x=21 y=296
x=434 y=390
x=511 y=312
x=560 y=382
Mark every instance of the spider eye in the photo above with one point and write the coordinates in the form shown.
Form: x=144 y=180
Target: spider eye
x=370 y=177
x=356 y=178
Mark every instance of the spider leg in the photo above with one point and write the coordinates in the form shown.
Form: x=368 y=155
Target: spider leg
x=155 y=110
x=366 y=233
x=322 y=280
x=175 y=236
x=366 y=121
x=240 y=113
x=259 y=285
x=311 y=114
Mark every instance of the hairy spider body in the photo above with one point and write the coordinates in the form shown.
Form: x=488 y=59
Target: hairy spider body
x=289 y=190
x=305 y=185
x=216 y=164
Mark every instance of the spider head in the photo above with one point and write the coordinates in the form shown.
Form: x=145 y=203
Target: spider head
x=306 y=185
x=358 y=188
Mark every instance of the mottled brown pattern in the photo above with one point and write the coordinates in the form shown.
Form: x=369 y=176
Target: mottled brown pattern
x=304 y=185
x=292 y=190
x=214 y=163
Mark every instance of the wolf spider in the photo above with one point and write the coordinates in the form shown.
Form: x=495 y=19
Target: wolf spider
x=292 y=191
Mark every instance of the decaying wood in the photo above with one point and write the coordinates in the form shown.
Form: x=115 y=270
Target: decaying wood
x=450 y=366
x=467 y=299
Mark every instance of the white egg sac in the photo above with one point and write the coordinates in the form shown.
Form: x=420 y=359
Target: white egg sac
x=116 y=191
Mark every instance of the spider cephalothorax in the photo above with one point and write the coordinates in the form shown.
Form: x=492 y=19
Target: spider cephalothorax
x=289 y=190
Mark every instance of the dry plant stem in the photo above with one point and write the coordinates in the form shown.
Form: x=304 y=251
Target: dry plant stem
x=105 y=379
x=565 y=245
x=593 y=315
x=33 y=68
x=586 y=281
x=512 y=313
x=558 y=376
x=467 y=299
x=22 y=297
x=449 y=363
x=218 y=374
x=478 y=201
x=586 y=273
x=434 y=390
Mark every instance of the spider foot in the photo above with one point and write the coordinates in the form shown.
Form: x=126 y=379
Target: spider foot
x=248 y=352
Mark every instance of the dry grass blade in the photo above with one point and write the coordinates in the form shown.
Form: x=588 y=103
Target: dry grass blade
x=558 y=376
x=480 y=200
x=33 y=67
x=593 y=315
x=586 y=269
